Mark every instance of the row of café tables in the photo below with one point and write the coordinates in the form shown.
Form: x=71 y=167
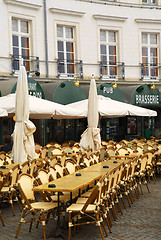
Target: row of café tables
x=78 y=180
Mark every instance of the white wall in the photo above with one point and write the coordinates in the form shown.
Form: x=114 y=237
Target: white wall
x=87 y=18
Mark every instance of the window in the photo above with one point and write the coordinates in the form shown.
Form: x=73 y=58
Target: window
x=108 y=52
x=65 y=49
x=149 y=1
x=150 y=49
x=20 y=42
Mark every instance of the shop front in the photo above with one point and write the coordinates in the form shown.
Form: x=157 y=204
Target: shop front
x=65 y=129
x=148 y=96
x=112 y=128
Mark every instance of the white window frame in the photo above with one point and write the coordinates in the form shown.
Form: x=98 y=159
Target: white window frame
x=149 y=77
x=21 y=34
x=32 y=30
x=66 y=74
x=108 y=76
x=150 y=2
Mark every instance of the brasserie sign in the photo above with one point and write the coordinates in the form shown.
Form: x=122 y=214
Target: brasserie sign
x=147 y=99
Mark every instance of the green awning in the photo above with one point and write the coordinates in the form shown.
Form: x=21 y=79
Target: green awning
x=146 y=95
x=67 y=92
x=107 y=90
x=34 y=88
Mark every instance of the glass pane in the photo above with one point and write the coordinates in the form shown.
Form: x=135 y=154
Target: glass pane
x=59 y=31
x=70 y=57
x=14 y=25
x=103 y=36
x=69 y=47
x=103 y=49
x=60 y=46
x=70 y=68
x=113 y=71
x=111 y=36
x=144 y=51
x=15 y=41
x=61 y=55
x=104 y=59
x=144 y=38
x=61 y=68
x=25 y=53
x=153 y=52
x=24 y=27
x=112 y=50
x=69 y=32
x=153 y=38
x=112 y=60
x=25 y=42
x=145 y=60
x=15 y=52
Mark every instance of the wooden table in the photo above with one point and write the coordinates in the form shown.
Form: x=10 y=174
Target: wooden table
x=71 y=182
x=130 y=156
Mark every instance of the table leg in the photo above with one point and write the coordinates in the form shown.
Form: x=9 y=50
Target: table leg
x=58 y=231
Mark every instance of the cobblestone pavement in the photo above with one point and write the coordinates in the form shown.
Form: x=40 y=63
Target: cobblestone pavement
x=141 y=221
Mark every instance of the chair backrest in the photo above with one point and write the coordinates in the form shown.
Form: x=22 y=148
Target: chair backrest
x=52 y=173
x=122 y=151
x=25 y=185
x=3 y=155
x=67 y=149
x=95 y=196
x=56 y=151
x=43 y=152
x=102 y=154
x=76 y=149
x=159 y=147
x=59 y=169
x=24 y=167
x=143 y=162
x=32 y=167
x=53 y=161
x=70 y=165
x=14 y=175
x=49 y=151
x=42 y=176
x=111 y=151
x=37 y=146
x=2 y=162
x=86 y=162
x=150 y=157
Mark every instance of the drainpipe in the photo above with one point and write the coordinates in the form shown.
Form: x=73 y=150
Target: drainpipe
x=46 y=40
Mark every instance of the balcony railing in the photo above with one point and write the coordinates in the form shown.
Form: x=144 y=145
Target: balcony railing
x=150 y=71
x=69 y=68
x=112 y=70
x=30 y=62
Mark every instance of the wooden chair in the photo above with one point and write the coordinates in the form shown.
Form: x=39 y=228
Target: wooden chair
x=24 y=167
x=88 y=212
x=3 y=155
x=122 y=151
x=43 y=153
x=49 y=151
x=1 y=181
x=9 y=191
x=32 y=167
x=44 y=177
x=142 y=172
x=39 y=210
x=102 y=154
